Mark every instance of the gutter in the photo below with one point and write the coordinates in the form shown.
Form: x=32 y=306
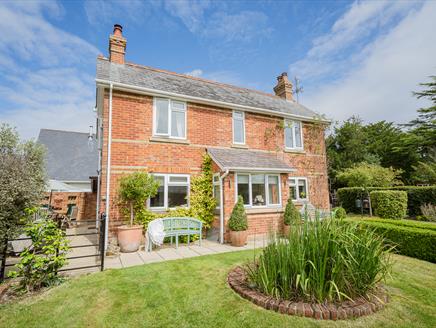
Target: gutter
x=108 y=170
x=226 y=173
x=154 y=92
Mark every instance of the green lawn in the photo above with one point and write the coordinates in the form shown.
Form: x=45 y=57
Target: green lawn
x=194 y=293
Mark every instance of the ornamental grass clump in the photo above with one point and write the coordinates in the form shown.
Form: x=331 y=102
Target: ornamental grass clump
x=321 y=260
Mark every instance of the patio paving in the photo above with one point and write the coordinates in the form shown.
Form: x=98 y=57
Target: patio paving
x=169 y=252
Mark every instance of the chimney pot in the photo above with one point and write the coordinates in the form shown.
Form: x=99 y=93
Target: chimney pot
x=118 y=30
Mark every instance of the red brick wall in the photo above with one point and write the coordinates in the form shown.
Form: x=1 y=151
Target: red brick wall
x=133 y=148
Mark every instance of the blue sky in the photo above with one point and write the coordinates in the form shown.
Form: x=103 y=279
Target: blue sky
x=353 y=57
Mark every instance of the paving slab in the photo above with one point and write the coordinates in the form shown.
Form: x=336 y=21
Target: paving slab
x=202 y=250
x=130 y=259
x=150 y=257
x=169 y=254
x=186 y=252
x=112 y=262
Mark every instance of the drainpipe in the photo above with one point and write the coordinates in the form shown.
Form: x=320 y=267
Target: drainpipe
x=108 y=170
x=226 y=173
x=100 y=148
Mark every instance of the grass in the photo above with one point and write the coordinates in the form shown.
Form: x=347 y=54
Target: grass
x=194 y=293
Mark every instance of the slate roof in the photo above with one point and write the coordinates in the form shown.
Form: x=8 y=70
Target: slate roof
x=68 y=156
x=249 y=160
x=159 y=80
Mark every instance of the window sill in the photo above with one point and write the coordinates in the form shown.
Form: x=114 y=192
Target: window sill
x=239 y=146
x=295 y=151
x=264 y=210
x=169 y=140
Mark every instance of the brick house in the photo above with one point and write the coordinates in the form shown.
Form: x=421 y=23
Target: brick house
x=264 y=147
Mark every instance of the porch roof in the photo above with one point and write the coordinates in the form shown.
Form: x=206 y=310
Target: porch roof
x=248 y=160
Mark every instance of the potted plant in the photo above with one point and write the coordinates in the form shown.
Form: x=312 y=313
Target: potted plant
x=291 y=216
x=238 y=224
x=134 y=191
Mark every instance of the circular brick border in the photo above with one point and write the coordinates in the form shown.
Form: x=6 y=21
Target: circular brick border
x=346 y=310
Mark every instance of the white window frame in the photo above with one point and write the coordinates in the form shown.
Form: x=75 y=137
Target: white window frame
x=296 y=185
x=266 y=183
x=289 y=124
x=168 y=183
x=243 y=126
x=216 y=183
x=170 y=110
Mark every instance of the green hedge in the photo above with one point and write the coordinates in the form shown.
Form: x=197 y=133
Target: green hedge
x=389 y=204
x=416 y=196
x=403 y=223
x=416 y=242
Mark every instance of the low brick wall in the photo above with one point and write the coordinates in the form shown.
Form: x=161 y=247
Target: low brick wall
x=85 y=201
x=332 y=311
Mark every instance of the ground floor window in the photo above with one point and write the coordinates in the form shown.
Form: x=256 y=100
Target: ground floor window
x=258 y=189
x=298 y=189
x=173 y=191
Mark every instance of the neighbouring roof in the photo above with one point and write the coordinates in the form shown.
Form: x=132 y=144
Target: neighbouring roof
x=69 y=158
x=159 y=80
x=248 y=160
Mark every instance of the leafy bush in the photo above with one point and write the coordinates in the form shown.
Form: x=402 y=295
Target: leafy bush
x=238 y=218
x=321 y=260
x=414 y=239
x=340 y=213
x=40 y=262
x=403 y=223
x=389 y=204
x=369 y=175
x=292 y=215
x=202 y=202
x=429 y=212
x=134 y=191
x=416 y=197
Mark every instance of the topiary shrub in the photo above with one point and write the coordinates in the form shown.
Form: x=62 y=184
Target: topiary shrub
x=389 y=204
x=340 y=213
x=238 y=218
x=292 y=215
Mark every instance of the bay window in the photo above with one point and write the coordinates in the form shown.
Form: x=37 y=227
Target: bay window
x=258 y=190
x=293 y=135
x=169 y=118
x=298 y=190
x=173 y=191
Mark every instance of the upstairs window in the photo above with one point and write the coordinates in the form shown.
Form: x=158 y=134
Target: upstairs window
x=238 y=127
x=293 y=135
x=169 y=118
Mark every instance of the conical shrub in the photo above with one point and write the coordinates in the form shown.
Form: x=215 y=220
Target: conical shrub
x=238 y=218
x=292 y=215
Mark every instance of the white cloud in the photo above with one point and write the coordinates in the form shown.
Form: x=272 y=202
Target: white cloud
x=191 y=13
x=195 y=73
x=377 y=81
x=100 y=12
x=42 y=82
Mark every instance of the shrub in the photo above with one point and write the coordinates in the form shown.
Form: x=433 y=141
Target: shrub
x=369 y=175
x=411 y=239
x=321 y=260
x=340 y=213
x=238 y=218
x=134 y=191
x=429 y=212
x=416 y=197
x=389 y=204
x=40 y=262
x=292 y=215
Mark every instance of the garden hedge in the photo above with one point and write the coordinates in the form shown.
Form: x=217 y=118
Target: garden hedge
x=413 y=241
x=416 y=196
x=389 y=204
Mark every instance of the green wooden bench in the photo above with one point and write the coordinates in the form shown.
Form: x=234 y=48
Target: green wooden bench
x=178 y=226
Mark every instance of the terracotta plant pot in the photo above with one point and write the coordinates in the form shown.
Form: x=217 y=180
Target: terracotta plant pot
x=129 y=238
x=238 y=238
x=286 y=230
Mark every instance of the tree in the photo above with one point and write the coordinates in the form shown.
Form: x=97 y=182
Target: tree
x=134 y=191
x=369 y=175
x=22 y=180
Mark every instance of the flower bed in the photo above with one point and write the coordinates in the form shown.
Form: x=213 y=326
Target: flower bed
x=237 y=280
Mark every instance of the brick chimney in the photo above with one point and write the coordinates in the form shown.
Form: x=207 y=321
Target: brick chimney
x=283 y=88
x=117 y=45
